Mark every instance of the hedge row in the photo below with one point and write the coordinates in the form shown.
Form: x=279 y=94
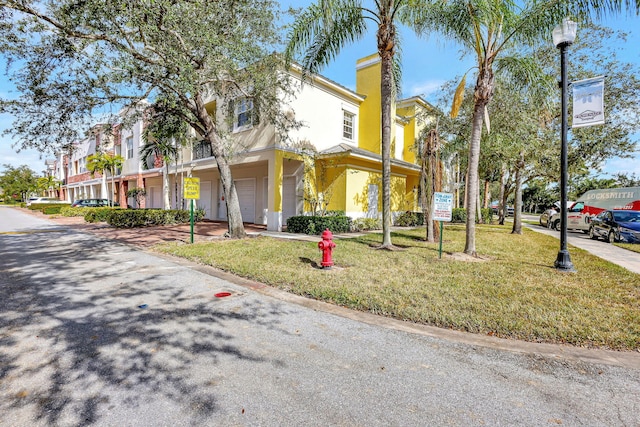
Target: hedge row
x=69 y=211
x=101 y=214
x=317 y=224
x=458 y=215
x=52 y=210
x=42 y=206
x=129 y=218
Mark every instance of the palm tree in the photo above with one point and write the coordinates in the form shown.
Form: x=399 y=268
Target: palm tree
x=48 y=184
x=113 y=163
x=97 y=163
x=488 y=28
x=323 y=29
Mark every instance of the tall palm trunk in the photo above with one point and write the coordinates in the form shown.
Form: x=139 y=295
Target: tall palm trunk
x=482 y=96
x=517 y=206
x=165 y=185
x=487 y=194
x=386 y=40
x=430 y=173
x=104 y=192
x=472 y=185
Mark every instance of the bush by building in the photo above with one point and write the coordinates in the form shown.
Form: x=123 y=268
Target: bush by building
x=317 y=224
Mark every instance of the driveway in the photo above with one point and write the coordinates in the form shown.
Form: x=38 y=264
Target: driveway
x=96 y=332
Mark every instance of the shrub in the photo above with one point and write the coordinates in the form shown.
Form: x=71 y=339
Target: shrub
x=131 y=218
x=460 y=215
x=42 y=206
x=69 y=211
x=410 y=219
x=364 y=224
x=317 y=224
x=98 y=214
x=52 y=210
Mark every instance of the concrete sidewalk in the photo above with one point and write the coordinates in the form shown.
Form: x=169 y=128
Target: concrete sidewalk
x=622 y=257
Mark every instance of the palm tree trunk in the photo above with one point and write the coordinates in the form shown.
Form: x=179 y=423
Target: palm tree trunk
x=104 y=191
x=472 y=184
x=479 y=218
x=386 y=93
x=487 y=194
x=165 y=185
x=517 y=206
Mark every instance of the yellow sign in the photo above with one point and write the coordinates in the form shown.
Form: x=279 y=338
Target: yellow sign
x=192 y=188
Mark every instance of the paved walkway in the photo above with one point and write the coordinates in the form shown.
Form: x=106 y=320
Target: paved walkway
x=622 y=257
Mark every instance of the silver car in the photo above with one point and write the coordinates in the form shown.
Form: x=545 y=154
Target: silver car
x=545 y=218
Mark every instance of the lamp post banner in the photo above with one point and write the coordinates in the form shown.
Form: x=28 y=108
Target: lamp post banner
x=588 y=102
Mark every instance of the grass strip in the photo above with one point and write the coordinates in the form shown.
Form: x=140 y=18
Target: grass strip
x=515 y=293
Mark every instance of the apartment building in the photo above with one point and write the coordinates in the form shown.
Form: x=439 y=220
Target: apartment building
x=333 y=161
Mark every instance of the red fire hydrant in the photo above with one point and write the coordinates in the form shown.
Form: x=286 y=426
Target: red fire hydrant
x=326 y=246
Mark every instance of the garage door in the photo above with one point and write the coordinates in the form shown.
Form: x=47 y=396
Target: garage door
x=246 y=189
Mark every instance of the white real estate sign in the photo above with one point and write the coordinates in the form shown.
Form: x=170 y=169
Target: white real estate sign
x=442 y=206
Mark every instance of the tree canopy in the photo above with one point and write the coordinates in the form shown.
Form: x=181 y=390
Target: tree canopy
x=18 y=183
x=73 y=59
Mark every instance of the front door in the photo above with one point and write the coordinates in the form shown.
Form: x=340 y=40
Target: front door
x=205 y=198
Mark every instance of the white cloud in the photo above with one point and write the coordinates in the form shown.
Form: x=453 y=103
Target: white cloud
x=625 y=166
x=424 y=89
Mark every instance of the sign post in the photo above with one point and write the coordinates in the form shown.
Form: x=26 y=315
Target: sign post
x=192 y=191
x=442 y=211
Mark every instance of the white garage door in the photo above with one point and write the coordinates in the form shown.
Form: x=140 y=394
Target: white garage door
x=246 y=189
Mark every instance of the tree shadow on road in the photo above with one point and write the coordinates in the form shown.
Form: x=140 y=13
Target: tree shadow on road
x=75 y=342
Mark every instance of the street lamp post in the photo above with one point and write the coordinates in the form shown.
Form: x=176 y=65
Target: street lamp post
x=563 y=36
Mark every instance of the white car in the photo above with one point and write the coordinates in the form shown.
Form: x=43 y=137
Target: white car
x=43 y=200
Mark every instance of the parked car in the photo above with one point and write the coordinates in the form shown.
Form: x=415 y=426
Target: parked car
x=43 y=200
x=616 y=226
x=593 y=202
x=92 y=203
x=546 y=217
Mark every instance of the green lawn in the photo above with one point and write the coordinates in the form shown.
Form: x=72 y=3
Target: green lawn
x=514 y=293
x=629 y=246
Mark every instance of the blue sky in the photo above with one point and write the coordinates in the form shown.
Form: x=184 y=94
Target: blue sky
x=427 y=64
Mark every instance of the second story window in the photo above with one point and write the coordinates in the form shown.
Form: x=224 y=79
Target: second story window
x=129 y=144
x=347 y=125
x=244 y=114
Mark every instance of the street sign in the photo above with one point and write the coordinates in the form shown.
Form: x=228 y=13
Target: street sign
x=442 y=206
x=192 y=188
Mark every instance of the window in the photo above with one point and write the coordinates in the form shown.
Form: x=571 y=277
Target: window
x=243 y=114
x=347 y=125
x=129 y=143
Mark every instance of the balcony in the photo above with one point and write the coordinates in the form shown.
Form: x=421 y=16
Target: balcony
x=202 y=150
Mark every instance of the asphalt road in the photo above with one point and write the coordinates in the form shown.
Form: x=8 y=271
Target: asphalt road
x=94 y=332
